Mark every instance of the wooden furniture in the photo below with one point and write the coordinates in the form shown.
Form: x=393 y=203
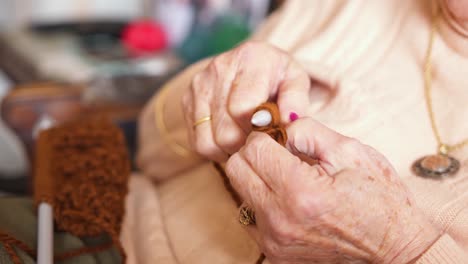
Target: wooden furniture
x=25 y=107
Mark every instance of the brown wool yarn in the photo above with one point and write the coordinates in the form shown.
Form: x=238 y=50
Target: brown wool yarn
x=9 y=243
x=277 y=131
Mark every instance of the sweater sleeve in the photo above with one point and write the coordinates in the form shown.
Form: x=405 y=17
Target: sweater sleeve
x=444 y=251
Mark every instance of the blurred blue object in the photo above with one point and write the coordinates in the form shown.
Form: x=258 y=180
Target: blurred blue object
x=228 y=32
x=216 y=25
x=204 y=41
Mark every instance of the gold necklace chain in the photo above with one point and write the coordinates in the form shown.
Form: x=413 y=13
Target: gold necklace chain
x=443 y=148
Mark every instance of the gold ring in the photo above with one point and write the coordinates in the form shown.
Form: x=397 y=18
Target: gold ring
x=201 y=120
x=246 y=216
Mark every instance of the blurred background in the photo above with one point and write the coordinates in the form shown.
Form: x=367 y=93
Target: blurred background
x=61 y=60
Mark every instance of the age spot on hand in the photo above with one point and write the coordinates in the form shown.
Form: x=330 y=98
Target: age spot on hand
x=357 y=163
x=386 y=172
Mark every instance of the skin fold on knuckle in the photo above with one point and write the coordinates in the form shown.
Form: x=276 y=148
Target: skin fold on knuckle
x=298 y=140
x=243 y=101
x=240 y=104
x=305 y=206
x=285 y=236
x=228 y=138
x=222 y=64
x=197 y=82
x=206 y=147
x=271 y=249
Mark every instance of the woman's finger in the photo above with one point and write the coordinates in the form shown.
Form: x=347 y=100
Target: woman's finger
x=332 y=150
x=228 y=135
x=203 y=136
x=293 y=92
x=246 y=182
x=255 y=194
x=275 y=165
x=257 y=81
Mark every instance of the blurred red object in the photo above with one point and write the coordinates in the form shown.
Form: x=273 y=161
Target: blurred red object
x=144 y=37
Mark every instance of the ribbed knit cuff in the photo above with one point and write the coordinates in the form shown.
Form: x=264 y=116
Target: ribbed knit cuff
x=444 y=251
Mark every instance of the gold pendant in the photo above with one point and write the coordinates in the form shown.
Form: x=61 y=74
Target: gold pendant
x=436 y=166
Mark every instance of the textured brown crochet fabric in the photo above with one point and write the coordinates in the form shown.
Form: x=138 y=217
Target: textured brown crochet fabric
x=81 y=169
x=277 y=131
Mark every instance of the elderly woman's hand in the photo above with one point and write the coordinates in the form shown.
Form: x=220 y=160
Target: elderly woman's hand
x=232 y=86
x=349 y=207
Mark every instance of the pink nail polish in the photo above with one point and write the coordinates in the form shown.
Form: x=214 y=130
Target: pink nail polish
x=293 y=116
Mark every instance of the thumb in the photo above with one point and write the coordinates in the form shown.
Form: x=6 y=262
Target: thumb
x=307 y=137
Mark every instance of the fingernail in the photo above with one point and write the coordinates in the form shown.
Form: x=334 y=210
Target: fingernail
x=293 y=116
x=261 y=118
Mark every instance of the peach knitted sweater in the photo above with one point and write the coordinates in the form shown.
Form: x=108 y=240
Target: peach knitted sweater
x=365 y=61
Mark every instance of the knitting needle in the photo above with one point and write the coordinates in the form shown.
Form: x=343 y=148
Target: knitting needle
x=45 y=240
x=45 y=236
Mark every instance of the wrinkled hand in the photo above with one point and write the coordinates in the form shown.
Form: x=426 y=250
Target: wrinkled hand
x=351 y=207
x=229 y=90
